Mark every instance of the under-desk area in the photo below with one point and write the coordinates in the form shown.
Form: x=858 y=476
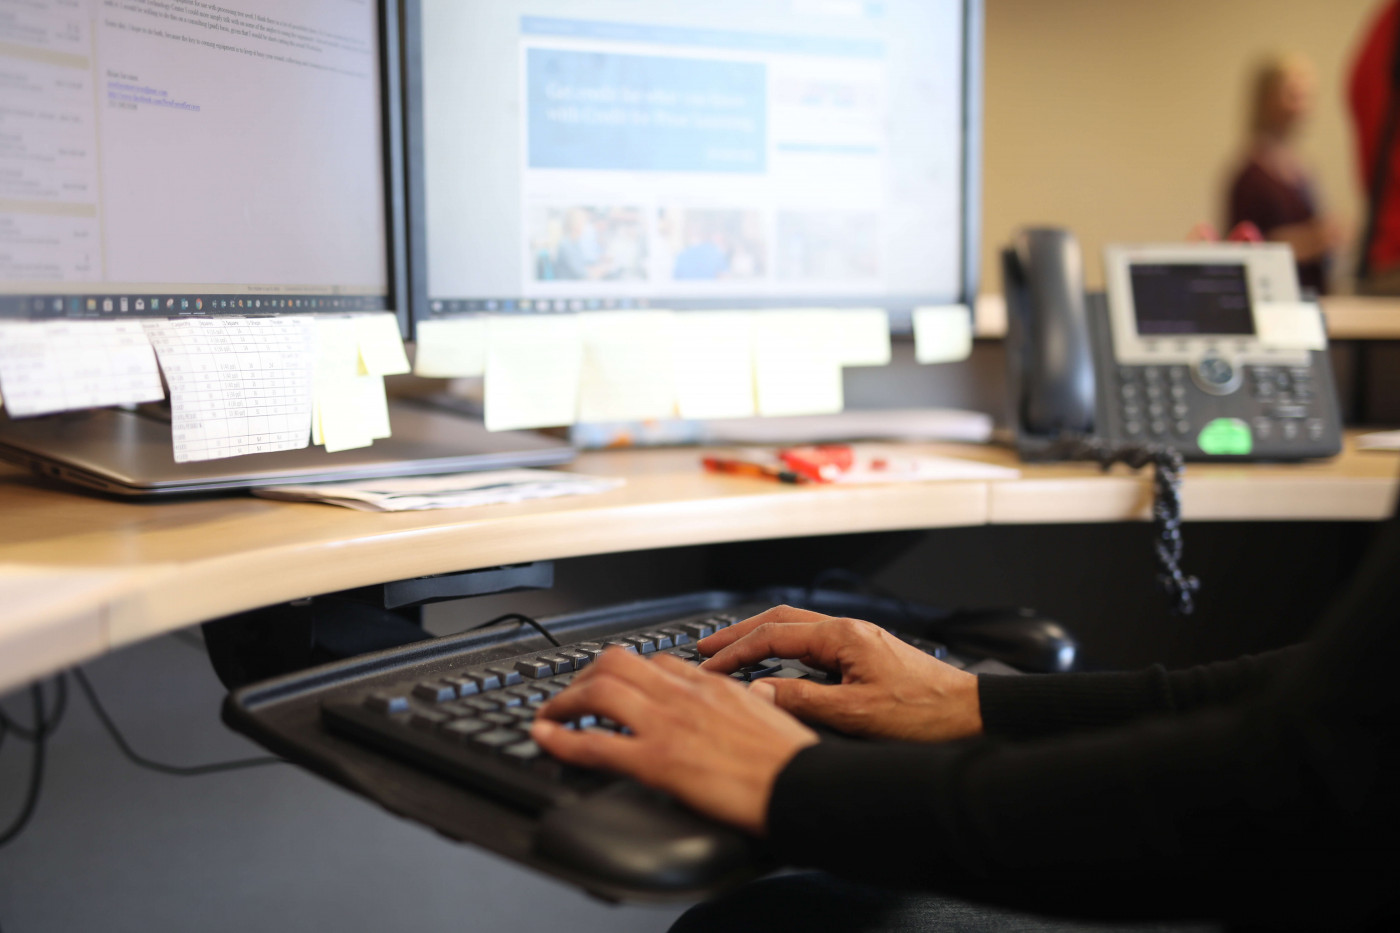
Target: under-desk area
x=406 y=411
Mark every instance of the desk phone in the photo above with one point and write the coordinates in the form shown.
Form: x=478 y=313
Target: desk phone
x=1208 y=349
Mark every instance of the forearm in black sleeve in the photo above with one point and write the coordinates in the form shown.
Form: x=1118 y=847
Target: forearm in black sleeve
x=1048 y=704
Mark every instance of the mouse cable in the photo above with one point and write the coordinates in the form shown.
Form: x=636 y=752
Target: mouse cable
x=523 y=620
x=36 y=769
x=8 y=725
x=1168 y=466
x=178 y=770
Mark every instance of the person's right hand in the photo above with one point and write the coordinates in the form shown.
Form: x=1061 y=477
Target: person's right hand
x=888 y=689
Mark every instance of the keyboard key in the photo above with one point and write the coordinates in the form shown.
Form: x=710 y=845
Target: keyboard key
x=558 y=662
x=586 y=720
x=581 y=659
x=790 y=673
x=485 y=679
x=699 y=630
x=526 y=692
x=624 y=645
x=384 y=702
x=507 y=699
x=495 y=739
x=535 y=667
x=509 y=678
x=519 y=713
x=522 y=753
x=644 y=645
x=499 y=718
x=562 y=680
x=465 y=686
x=482 y=704
x=678 y=636
x=753 y=672
x=662 y=639
x=435 y=692
x=428 y=719
x=461 y=729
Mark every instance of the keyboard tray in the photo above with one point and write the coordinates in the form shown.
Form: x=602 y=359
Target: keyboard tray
x=285 y=715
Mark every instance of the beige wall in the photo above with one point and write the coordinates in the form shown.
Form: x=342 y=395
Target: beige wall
x=1121 y=119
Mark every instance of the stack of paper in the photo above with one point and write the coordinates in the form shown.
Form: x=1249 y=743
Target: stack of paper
x=453 y=491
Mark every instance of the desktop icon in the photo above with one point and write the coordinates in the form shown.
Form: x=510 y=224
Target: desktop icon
x=58 y=304
x=199 y=304
x=106 y=304
x=92 y=304
x=122 y=304
x=184 y=304
x=525 y=304
x=140 y=304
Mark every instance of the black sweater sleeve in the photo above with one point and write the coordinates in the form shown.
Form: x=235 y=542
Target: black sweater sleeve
x=1277 y=806
x=1046 y=704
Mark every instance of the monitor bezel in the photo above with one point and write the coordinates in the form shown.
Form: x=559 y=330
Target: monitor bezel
x=970 y=221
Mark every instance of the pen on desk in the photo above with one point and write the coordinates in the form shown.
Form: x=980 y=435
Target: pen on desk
x=749 y=468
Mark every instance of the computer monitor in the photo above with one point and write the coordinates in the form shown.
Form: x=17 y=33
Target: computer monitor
x=568 y=155
x=170 y=159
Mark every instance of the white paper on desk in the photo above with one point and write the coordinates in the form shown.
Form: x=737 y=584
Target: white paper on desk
x=237 y=385
x=48 y=366
x=1296 y=325
x=350 y=408
x=942 y=333
x=712 y=364
x=451 y=348
x=797 y=362
x=532 y=371
x=380 y=344
x=626 y=369
x=1379 y=440
x=453 y=491
x=864 y=336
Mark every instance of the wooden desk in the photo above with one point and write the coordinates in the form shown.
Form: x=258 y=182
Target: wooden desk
x=109 y=573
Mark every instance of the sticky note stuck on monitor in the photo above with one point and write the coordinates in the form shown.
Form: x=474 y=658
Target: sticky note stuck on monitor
x=797 y=362
x=347 y=403
x=380 y=344
x=533 y=364
x=712 y=364
x=451 y=348
x=942 y=333
x=626 y=369
x=864 y=336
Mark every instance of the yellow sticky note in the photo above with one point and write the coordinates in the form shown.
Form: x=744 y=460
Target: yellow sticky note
x=797 y=364
x=1290 y=325
x=373 y=405
x=864 y=336
x=942 y=333
x=626 y=369
x=341 y=418
x=712 y=364
x=380 y=344
x=532 y=371
x=450 y=348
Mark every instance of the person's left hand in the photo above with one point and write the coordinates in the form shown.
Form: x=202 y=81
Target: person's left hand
x=699 y=736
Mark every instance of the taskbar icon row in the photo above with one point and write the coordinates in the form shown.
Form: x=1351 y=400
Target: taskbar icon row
x=462 y=305
x=88 y=306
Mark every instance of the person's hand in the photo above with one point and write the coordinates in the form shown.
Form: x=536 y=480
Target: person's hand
x=699 y=736
x=888 y=689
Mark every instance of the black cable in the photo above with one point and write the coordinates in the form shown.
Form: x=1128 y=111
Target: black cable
x=50 y=725
x=1167 y=465
x=36 y=770
x=144 y=762
x=521 y=618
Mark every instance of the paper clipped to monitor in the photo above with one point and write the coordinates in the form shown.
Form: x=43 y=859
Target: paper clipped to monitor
x=711 y=359
x=237 y=385
x=351 y=407
x=626 y=368
x=797 y=362
x=49 y=366
x=533 y=364
x=451 y=348
x=942 y=333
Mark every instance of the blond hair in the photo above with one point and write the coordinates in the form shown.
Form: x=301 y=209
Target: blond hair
x=1269 y=75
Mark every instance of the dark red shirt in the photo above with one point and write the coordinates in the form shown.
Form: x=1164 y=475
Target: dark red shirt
x=1269 y=202
x=1369 y=96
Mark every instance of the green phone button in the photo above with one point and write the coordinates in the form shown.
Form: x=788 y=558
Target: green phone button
x=1226 y=436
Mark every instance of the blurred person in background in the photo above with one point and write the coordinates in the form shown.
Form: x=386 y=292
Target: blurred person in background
x=1272 y=190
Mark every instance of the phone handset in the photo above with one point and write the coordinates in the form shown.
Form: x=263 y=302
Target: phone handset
x=1048 y=346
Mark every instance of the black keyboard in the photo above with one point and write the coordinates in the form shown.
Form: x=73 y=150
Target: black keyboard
x=472 y=723
x=438 y=731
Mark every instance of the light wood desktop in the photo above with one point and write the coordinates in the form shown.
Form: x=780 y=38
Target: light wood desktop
x=80 y=575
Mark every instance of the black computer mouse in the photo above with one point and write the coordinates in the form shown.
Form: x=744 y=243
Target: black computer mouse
x=641 y=840
x=1021 y=638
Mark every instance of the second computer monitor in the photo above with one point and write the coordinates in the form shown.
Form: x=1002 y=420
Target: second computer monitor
x=733 y=154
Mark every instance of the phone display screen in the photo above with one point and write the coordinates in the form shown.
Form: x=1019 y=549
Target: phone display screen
x=1191 y=298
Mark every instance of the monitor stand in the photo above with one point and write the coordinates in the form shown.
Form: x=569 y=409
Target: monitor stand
x=128 y=452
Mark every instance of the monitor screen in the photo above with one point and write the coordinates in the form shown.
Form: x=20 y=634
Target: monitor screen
x=573 y=155
x=1182 y=299
x=192 y=158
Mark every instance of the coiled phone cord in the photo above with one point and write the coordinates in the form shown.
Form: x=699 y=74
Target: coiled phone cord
x=1180 y=588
